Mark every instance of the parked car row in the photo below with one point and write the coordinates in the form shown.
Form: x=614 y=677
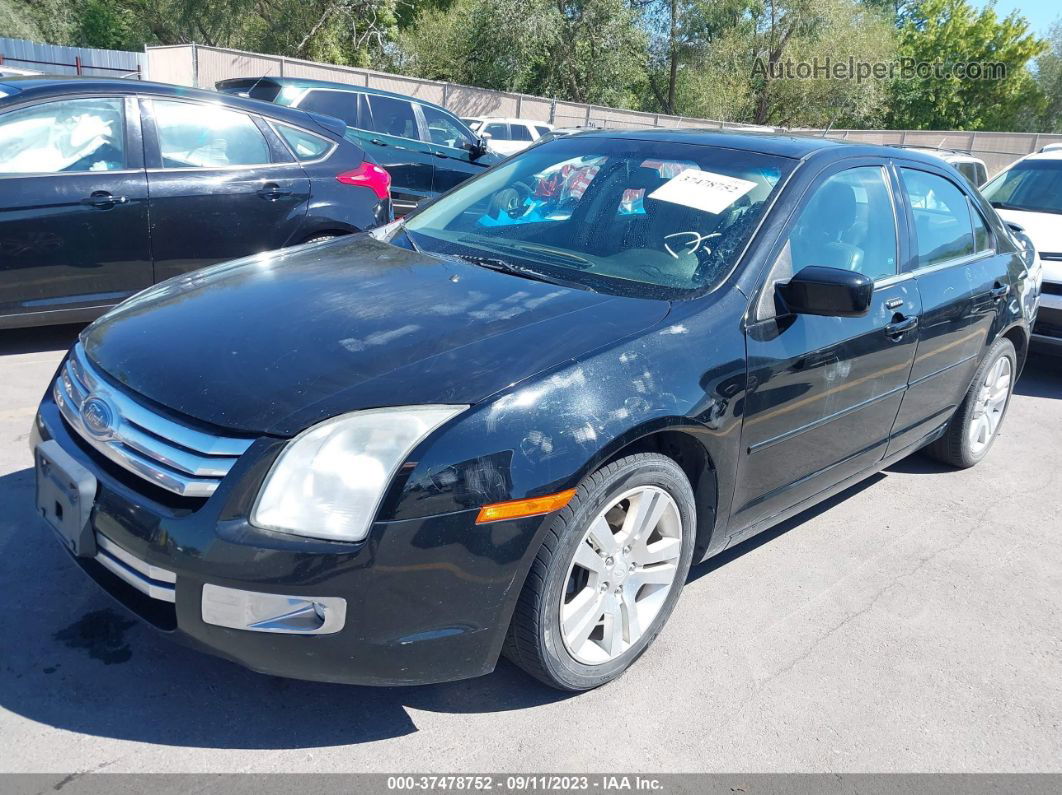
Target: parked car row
x=426 y=149
x=108 y=186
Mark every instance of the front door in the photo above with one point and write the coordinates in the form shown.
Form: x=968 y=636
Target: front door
x=824 y=391
x=222 y=186
x=961 y=279
x=73 y=206
x=452 y=146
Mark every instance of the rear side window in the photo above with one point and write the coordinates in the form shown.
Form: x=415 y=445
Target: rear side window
x=305 y=145
x=941 y=212
x=541 y=131
x=63 y=136
x=520 y=132
x=194 y=135
x=340 y=104
x=392 y=116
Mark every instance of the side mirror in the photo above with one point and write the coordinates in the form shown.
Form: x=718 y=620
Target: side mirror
x=1023 y=241
x=479 y=148
x=832 y=292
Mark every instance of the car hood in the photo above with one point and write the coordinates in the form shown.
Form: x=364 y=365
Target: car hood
x=274 y=343
x=1044 y=229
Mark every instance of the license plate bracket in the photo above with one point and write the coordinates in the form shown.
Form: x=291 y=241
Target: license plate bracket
x=66 y=492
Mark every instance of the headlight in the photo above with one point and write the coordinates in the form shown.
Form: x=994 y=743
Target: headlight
x=329 y=480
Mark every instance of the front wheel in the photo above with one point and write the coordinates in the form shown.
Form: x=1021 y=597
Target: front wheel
x=977 y=421
x=607 y=575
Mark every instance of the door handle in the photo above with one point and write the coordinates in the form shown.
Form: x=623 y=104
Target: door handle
x=440 y=154
x=999 y=292
x=377 y=141
x=272 y=191
x=102 y=200
x=900 y=326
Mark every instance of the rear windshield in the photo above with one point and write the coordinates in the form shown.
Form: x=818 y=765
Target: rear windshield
x=649 y=218
x=1032 y=185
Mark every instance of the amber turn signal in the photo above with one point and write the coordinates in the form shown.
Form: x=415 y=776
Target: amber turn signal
x=518 y=509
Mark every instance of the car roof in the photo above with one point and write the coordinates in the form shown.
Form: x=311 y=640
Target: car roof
x=510 y=120
x=61 y=85
x=1050 y=154
x=306 y=82
x=780 y=144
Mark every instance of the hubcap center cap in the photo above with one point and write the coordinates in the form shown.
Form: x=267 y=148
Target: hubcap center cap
x=619 y=570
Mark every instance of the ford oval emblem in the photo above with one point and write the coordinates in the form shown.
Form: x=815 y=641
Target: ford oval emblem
x=98 y=417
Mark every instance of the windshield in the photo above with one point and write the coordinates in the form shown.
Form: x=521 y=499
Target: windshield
x=1032 y=185
x=648 y=218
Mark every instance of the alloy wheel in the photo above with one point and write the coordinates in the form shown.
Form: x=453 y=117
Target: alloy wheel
x=990 y=403
x=621 y=574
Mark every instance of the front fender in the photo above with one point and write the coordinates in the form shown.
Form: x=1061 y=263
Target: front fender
x=545 y=434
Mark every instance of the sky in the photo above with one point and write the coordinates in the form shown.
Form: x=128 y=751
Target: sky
x=1040 y=13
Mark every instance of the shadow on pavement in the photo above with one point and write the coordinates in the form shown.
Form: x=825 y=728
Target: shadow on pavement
x=1042 y=377
x=83 y=663
x=37 y=340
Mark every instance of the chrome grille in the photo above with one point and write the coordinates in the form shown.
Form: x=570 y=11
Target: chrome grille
x=169 y=454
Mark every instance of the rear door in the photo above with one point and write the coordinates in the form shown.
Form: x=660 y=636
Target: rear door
x=222 y=185
x=392 y=138
x=73 y=205
x=962 y=280
x=452 y=145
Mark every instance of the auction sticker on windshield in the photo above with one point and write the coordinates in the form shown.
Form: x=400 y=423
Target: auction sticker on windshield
x=703 y=190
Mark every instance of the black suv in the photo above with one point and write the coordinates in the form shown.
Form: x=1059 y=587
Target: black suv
x=426 y=149
x=108 y=186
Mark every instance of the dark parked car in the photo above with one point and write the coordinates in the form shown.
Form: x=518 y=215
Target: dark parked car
x=108 y=186
x=426 y=149
x=512 y=421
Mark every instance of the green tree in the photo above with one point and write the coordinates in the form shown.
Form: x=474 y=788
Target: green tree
x=580 y=50
x=952 y=34
x=1048 y=117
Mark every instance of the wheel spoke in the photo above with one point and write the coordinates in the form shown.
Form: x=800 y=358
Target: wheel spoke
x=661 y=574
x=580 y=616
x=601 y=535
x=661 y=551
x=586 y=557
x=612 y=639
x=644 y=515
x=632 y=624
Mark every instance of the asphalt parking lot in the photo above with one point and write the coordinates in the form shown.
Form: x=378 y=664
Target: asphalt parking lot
x=913 y=623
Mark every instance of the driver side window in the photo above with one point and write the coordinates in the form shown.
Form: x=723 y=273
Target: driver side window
x=847 y=222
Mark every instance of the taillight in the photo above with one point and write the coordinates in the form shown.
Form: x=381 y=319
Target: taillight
x=368 y=175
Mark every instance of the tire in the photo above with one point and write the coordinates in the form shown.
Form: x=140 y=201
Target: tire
x=634 y=607
x=962 y=446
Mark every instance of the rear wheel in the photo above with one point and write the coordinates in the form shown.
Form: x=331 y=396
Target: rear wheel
x=977 y=421
x=608 y=574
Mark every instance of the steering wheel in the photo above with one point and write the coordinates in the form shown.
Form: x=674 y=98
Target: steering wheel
x=511 y=200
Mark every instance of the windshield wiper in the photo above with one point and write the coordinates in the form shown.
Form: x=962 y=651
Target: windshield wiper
x=503 y=266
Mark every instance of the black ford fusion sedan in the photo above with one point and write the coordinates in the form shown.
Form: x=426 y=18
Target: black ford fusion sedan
x=108 y=186
x=511 y=422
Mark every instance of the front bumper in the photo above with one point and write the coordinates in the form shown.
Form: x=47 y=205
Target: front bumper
x=1047 y=332
x=427 y=600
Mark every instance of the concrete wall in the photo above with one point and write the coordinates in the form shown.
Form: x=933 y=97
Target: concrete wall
x=201 y=66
